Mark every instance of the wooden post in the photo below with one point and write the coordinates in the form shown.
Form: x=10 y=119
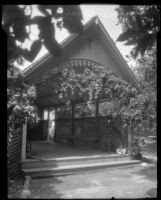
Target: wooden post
x=24 y=137
x=72 y=133
x=130 y=139
x=48 y=125
x=97 y=118
x=55 y=124
x=72 y=123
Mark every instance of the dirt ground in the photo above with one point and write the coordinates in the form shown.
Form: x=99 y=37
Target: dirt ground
x=15 y=187
x=127 y=183
x=133 y=182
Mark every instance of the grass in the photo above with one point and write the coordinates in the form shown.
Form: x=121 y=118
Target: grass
x=150 y=148
x=152 y=193
x=149 y=172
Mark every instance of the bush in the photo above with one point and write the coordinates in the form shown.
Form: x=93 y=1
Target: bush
x=135 y=150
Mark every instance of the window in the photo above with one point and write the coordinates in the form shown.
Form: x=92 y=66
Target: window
x=45 y=114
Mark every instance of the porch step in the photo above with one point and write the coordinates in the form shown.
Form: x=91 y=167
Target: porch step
x=75 y=165
x=72 y=169
x=55 y=162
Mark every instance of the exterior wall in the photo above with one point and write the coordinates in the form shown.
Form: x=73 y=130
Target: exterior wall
x=79 y=49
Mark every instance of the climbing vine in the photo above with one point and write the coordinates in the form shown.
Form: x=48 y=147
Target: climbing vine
x=135 y=109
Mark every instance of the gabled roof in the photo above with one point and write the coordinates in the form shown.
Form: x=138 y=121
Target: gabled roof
x=114 y=52
x=48 y=56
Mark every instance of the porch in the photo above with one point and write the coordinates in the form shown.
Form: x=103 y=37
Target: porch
x=86 y=133
x=51 y=150
x=53 y=159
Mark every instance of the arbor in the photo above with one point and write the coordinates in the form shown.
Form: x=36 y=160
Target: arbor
x=140 y=25
x=135 y=110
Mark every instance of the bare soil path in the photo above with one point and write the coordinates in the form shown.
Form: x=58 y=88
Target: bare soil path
x=131 y=182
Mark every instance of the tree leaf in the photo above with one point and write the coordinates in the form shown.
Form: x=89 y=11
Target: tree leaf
x=47 y=29
x=126 y=35
x=14 y=17
x=42 y=8
x=131 y=42
x=15 y=82
x=139 y=23
x=48 y=34
x=13 y=51
x=10 y=110
x=127 y=8
x=72 y=18
x=144 y=42
x=53 y=46
x=10 y=13
x=20 y=30
x=35 y=48
x=36 y=19
x=73 y=10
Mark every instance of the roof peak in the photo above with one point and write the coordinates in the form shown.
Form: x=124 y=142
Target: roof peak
x=89 y=22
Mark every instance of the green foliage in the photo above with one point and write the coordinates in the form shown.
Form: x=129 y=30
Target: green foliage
x=83 y=83
x=16 y=20
x=135 y=150
x=20 y=101
x=140 y=24
x=146 y=72
x=137 y=111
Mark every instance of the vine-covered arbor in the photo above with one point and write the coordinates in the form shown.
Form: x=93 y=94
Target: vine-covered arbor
x=71 y=118
x=65 y=85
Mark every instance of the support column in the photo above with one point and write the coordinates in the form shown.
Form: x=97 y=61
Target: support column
x=24 y=137
x=130 y=139
x=55 y=124
x=72 y=124
x=48 y=125
x=97 y=118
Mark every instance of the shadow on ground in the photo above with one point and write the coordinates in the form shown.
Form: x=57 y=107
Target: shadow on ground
x=152 y=193
x=43 y=187
x=149 y=173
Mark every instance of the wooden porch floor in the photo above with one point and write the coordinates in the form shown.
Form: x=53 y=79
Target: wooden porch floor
x=46 y=150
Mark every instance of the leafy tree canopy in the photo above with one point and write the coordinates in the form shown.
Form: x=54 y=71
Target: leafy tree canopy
x=17 y=21
x=140 y=25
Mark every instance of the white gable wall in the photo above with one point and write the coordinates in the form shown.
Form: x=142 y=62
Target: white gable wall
x=79 y=49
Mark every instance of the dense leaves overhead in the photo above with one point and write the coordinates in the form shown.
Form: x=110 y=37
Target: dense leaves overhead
x=16 y=21
x=140 y=25
x=70 y=22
